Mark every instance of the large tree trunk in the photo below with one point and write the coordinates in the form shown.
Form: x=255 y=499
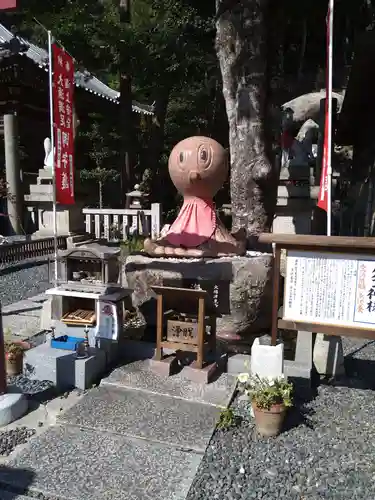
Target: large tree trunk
x=242 y=52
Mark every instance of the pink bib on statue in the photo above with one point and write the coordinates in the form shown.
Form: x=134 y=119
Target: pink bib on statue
x=195 y=224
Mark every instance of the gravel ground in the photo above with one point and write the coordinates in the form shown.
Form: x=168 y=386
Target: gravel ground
x=12 y=438
x=327 y=450
x=22 y=282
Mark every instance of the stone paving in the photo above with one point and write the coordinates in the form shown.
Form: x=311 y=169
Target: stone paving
x=121 y=441
x=21 y=320
x=136 y=436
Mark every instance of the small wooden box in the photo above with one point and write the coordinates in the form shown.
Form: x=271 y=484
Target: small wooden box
x=184 y=332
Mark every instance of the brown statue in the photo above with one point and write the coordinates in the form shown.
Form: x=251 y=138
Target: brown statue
x=198 y=167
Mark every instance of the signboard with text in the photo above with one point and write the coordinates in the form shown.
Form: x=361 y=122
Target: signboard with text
x=63 y=95
x=331 y=289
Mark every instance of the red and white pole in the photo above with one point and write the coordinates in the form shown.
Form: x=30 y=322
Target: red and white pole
x=325 y=193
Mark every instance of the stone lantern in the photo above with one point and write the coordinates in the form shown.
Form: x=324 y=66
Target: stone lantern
x=136 y=199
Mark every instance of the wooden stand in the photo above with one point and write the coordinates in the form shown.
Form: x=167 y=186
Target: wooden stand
x=196 y=314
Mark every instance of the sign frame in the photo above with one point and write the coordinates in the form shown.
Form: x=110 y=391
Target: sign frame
x=361 y=246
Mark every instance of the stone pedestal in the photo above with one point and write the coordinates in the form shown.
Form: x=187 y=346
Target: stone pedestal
x=329 y=355
x=241 y=288
x=69 y=218
x=63 y=368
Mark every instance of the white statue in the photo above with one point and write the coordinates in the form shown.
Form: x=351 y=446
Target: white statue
x=302 y=149
x=48 y=158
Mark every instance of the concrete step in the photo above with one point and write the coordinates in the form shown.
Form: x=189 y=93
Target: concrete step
x=167 y=420
x=38 y=198
x=41 y=189
x=138 y=375
x=298 y=192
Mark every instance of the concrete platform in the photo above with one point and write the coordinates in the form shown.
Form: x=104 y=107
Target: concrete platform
x=21 y=320
x=138 y=375
x=62 y=367
x=162 y=419
x=81 y=464
x=12 y=407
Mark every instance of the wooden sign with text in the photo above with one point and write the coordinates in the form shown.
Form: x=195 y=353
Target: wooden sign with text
x=329 y=284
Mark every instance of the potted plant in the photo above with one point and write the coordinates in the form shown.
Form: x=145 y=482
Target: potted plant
x=14 y=357
x=270 y=398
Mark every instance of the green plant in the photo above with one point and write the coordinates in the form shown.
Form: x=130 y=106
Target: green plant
x=267 y=391
x=227 y=419
x=134 y=243
x=13 y=350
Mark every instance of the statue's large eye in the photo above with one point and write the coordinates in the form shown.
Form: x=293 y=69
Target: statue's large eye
x=181 y=157
x=204 y=156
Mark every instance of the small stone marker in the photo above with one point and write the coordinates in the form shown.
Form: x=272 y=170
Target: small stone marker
x=267 y=360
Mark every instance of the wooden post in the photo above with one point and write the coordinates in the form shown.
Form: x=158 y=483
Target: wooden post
x=275 y=299
x=159 y=328
x=201 y=332
x=3 y=378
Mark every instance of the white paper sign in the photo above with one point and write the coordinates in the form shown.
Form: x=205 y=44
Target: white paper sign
x=107 y=327
x=332 y=289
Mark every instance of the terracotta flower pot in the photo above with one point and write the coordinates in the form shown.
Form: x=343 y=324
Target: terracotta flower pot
x=14 y=365
x=14 y=362
x=269 y=422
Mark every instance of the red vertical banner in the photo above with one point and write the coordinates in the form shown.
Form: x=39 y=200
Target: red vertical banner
x=323 y=191
x=8 y=4
x=63 y=95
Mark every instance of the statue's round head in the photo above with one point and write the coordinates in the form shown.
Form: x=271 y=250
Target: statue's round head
x=198 y=166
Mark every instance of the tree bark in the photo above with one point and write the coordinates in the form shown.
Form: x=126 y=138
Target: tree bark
x=156 y=145
x=100 y=194
x=241 y=45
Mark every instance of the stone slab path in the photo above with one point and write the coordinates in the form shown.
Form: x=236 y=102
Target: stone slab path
x=21 y=320
x=138 y=436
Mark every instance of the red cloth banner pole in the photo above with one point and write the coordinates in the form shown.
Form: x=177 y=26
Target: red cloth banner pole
x=63 y=99
x=324 y=201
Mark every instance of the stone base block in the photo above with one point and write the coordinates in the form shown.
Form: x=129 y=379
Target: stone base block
x=199 y=375
x=69 y=219
x=166 y=367
x=329 y=355
x=12 y=407
x=267 y=360
x=242 y=287
x=63 y=368
x=238 y=363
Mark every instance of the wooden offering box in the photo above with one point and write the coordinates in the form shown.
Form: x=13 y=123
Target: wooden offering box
x=186 y=321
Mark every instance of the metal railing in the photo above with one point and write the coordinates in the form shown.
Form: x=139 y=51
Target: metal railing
x=29 y=249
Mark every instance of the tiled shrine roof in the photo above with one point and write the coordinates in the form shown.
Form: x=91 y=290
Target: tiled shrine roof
x=83 y=79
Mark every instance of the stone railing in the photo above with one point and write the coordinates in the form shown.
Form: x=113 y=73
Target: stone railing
x=106 y=222
x=29 y=249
